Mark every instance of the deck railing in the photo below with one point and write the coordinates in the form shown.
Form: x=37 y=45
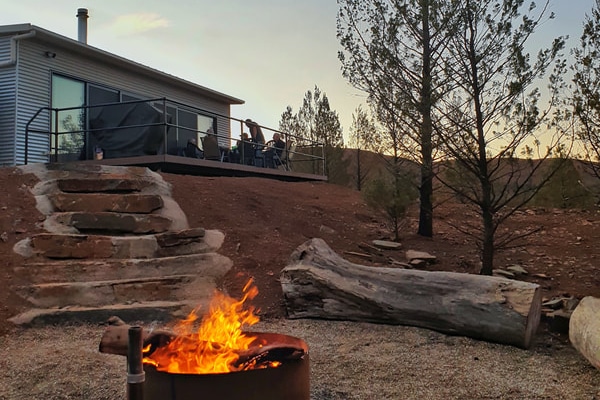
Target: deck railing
x=72 y=133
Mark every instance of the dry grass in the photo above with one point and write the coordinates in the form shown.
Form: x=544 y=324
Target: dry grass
x=348 y=361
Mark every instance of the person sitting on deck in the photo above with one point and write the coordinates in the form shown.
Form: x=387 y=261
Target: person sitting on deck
x=192 y=150
x=275 y=147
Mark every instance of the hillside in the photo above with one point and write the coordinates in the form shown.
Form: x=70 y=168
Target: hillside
x=265 y=220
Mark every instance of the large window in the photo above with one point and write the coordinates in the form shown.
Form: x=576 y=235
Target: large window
x=84 y=126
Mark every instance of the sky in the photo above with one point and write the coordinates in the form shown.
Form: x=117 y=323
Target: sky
x=265 y=52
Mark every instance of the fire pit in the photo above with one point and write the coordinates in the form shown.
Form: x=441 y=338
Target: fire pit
x=289 y=380
x=212 y=357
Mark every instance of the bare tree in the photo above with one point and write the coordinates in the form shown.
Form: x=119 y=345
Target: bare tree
x=494 y=113
x=392 y=50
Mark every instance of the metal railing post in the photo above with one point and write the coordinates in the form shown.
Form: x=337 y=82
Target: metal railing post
x=55 y=134
x=135 y=369
x=165 y=122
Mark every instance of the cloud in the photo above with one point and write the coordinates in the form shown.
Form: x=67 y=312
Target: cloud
x=131 y=24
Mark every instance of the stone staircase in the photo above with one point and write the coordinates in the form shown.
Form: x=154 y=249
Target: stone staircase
x=116 y=243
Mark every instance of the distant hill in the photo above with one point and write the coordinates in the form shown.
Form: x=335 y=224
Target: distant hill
x=572 y=186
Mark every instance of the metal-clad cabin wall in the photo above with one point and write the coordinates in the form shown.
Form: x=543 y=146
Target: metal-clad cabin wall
x=98 y=71
x=7 y=105
x=33 y=93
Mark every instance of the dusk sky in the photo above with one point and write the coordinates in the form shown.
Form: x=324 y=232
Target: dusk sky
x=266 y=52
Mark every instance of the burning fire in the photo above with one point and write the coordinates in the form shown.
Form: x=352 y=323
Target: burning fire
x=216 y=345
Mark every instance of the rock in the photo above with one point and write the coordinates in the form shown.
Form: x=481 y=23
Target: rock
x=326 y=229
x=386 y=244
x=4 y=237
x=114 y=222
x=105 y=184
x=517 y=270
x=72 y=246
x=98 y=202
x=23 y=248
x=169 y=239
x=417 y=263
x=420 y=255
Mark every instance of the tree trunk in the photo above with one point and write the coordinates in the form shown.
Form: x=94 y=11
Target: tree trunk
x=426 y=130
x=426 y=204
x=584 y=329
x=318 y=283
x=487 y=246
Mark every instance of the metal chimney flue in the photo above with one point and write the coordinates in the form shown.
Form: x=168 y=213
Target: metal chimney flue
x=82 y=16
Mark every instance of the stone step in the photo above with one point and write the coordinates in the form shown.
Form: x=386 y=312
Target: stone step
x=210 y=264
x=102 y=183
x=111 y=223
x=77 y=246
x=65 y=246
x=106 y=202
x=143 y=312
x=121 y=291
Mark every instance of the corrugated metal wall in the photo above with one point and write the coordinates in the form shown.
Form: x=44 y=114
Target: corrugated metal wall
x=33 y=83
x=34 y=74
x=7 y=106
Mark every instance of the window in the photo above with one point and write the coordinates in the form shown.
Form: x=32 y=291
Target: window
x=66 y=93
x=77 y=130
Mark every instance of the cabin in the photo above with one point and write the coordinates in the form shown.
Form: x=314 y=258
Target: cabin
x=63 y=100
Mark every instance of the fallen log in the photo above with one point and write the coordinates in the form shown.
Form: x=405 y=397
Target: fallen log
x=115 y=339
x=318 y=283
x=266 y=347
x=584 y=329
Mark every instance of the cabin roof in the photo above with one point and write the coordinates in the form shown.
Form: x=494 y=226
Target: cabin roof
x=74 y=46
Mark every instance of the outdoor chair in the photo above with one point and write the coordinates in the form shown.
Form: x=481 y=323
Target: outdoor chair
x=285 y=160
x=211 y=148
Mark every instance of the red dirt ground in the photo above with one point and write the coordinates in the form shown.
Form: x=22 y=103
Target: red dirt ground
x=265 y=220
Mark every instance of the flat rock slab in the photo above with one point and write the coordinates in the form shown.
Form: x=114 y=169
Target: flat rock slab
x=386 y=244
x=420 y=255
x=114 y=222
x=208 y=265
x=70 y=169
x=102 y=183
x=170 y=239
x=101 y=293
x=160 y=311
x=106 y=202
x=93 y=246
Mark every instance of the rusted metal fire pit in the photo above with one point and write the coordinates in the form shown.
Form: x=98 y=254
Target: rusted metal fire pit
x=211 y=357
x=288 y=381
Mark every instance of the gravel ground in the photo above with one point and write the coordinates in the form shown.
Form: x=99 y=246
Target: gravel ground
x=348 y=361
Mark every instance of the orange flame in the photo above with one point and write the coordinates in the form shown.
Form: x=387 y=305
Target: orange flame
x=215 y=346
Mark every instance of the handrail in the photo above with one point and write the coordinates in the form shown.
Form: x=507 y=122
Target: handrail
x=161 y=104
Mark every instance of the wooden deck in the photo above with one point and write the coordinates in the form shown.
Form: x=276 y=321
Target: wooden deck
x=192 y=166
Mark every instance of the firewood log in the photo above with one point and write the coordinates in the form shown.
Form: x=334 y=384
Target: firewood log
x=584 y=329
x=115 y=341
x=318 y=283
